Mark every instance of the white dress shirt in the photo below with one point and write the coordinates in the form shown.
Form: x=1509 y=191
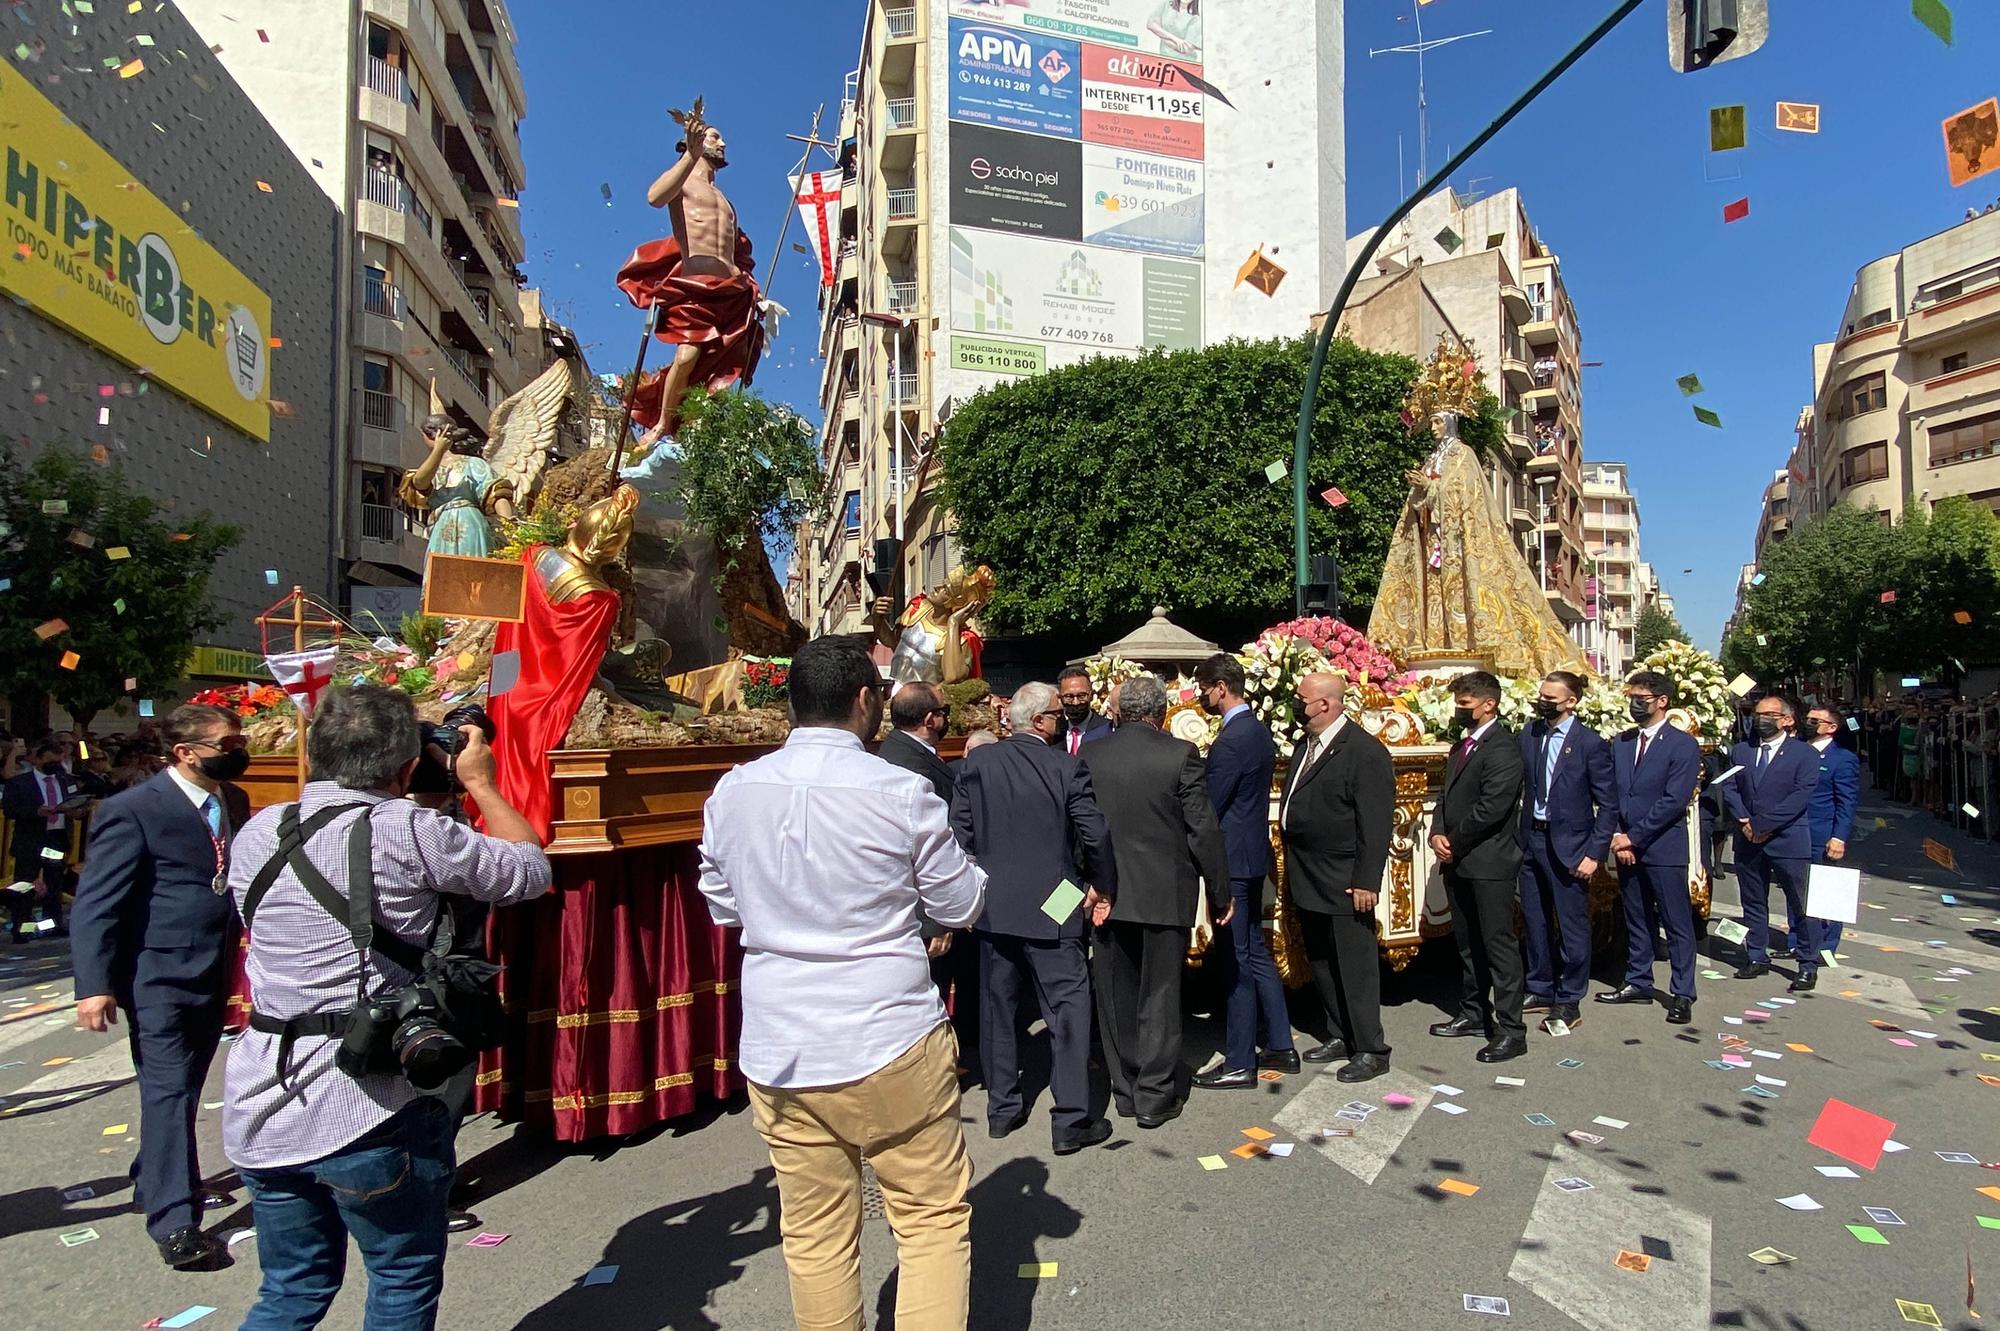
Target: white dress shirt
x=1823 y=743
x=1316 y=747
x=823 y=854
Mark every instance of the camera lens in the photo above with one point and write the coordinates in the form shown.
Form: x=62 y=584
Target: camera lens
x=429 y=1054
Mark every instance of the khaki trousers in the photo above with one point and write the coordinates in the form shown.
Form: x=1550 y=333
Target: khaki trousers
x=904 y=1119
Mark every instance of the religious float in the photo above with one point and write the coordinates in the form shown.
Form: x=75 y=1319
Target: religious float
x=627 y=667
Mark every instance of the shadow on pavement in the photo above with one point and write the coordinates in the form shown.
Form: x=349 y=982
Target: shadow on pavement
x=670 y=1261
x=43 y=1207
x=1012 y=1210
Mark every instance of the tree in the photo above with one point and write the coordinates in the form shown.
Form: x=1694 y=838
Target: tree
x=95 y=570
x=1098 y=490
x=1656 y=626
x=749 y=472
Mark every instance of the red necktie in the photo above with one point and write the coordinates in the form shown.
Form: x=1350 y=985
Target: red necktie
x=1075 y=742
x=1644 y=740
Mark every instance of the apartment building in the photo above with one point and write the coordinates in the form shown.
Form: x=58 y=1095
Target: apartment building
x=406 y=113
x=1623 y=582
x=1478 y=268
x=1031 y=184
x=1907 y=398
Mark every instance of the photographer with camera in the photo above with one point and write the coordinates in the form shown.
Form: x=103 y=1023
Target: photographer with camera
x=355 y=1014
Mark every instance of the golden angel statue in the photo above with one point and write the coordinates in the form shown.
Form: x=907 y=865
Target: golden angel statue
x=464 y=484
x=1454 y=582
x=933 y=640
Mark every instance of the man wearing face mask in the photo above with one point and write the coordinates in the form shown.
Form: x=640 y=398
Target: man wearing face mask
x=1654 y=767
x=1834 y=800
x=1081 y=724
x=1567 y=817
x=40 y=799
x=1474 y=836
x=152 y=933
x=1768 y=799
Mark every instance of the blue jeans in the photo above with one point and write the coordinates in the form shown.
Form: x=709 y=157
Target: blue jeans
x=1256 y=994
x=387 y=1189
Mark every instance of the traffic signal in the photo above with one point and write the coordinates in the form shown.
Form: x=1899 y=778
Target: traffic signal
x=1323 y=586
x=1701 y=33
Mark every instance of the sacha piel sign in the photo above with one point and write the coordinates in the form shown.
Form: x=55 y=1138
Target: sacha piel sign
x=90 y=248
x=1022 y=183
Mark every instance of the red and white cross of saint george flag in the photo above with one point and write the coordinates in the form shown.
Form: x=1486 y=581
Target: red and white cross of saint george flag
x=303 y=675
x=818 y=193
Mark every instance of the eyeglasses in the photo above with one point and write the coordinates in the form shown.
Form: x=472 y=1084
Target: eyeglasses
x=1053 y=711
x=1647 y=698
x=227 y=744
x=1074 y=699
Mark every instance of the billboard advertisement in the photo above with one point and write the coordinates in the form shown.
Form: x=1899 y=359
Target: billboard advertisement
x=1022 y=183
x=1015 y=80
x=109 y=260
x=1044 y=290
x=1136 y=201
x=1157 y=27
x=1135 y=102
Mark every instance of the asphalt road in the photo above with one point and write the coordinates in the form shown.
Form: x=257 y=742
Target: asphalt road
x=1343 y=1231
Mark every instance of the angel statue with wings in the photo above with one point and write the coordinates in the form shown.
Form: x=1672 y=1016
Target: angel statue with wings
x=465 y=483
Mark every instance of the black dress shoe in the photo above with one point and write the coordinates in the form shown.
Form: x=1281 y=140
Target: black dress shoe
x=1680 y=1011
x=1279 y=1060
x=998 y=1128
x=1090 y=1134
x=1536 y=1003
x=1225 y=1079
x=1161 y=1119
x=1783 y=953
x=1567 y=1014
x=1503 y=1048
x=1808 y=980
x=1750 y=970
x=1459 y=1027
x=1630 y=993
x=1364 y=1067
x=1331 y=1051
x=457 y=1222
x=187 y=1248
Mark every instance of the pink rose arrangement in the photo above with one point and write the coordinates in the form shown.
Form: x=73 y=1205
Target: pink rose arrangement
x=1346 y=649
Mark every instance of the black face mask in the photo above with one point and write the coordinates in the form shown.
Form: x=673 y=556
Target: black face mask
x=1642 y=712
x=1546 y=710
x=225 y=766
x=1765 y=726
x=1076 y=713
x=1462 y=717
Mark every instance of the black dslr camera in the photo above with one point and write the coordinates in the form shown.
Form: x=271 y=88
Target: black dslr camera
x=404 y=1032
x=436 y=778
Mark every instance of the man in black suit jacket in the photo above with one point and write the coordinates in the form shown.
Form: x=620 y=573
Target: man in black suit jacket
x=40 y=801
x=1151 y=789
x=1241 y=762
x=1081 y=724
x=1335 y=816
x=1025 y=810
x=1477 y=844
x=154 y=936
x=921 y=719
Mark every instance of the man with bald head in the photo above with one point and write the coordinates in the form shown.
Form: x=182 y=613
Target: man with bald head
x=1338 y=801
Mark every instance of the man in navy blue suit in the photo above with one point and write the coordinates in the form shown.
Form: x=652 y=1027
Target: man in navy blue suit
x=152 y=933
x=1654 y=769
x=1026 y=811
x=1081 y=724
x=1831 y=814
x=1240 y=765
x=1768 y=799
x=1567 y=818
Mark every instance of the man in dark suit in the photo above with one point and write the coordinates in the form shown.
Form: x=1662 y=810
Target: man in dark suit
x=921 y=719
x=1768 y=799
x=1831 y=814
x=1240 y=765
x=1335 y=816
x=1654 y=769
x=1081 y=724
x=154 y=936
x=1153 y=794
x=40 y=801
x=1025 y=810
x=1476 y=837
x=1567 y=818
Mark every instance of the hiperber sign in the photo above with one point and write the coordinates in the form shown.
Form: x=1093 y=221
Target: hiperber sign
x=93 y=250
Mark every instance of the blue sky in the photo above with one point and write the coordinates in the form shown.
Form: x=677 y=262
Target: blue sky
x=1612 y=162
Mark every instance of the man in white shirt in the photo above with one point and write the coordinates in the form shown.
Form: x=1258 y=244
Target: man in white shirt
x=824 y=855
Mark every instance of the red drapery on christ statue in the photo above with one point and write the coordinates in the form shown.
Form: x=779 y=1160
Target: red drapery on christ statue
x=716 y=313
x=560 y=647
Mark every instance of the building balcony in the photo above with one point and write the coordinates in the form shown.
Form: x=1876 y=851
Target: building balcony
x=382 y=433
x=1519 y=376
x=388 y=80
x=902 y=389
x=901 y=205
x=899 y=114
x=1540 y=397
x=1974 y=311
x=900 y=24
x=1519 y=446
x=902 y=296
x=899 y=51
x=1523 y=520
x=1515 y=300
x=1950 y=391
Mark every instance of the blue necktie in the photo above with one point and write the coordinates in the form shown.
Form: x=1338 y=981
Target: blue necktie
x=211 y=812
x=1764 y=758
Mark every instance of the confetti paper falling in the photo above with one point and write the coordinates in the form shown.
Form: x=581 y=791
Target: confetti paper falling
x=1972 y=141
x=264 y=185
x=69 y=661
x=1708 y=418
x=1333 y=497
x=1798 y=117
x=1736 y=212
x=1725 y=128
x=1935 y=15
x=49 y=628
x=1688 y=384
x=131 y=67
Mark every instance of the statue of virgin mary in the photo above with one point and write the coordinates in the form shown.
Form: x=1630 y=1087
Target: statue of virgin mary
x=1455 y=584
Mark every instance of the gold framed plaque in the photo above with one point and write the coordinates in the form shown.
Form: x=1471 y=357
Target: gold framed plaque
x=466 y=587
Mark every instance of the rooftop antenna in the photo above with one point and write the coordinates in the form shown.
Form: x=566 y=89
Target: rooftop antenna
x=1418 y=49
